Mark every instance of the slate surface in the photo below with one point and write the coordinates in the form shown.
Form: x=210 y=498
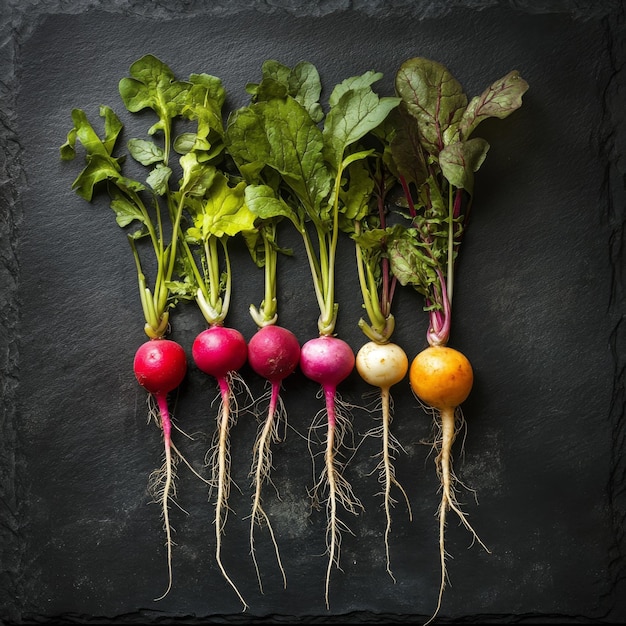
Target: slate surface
x=539 y=310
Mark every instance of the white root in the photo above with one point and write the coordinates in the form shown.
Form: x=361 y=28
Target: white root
x=451 y=422
x=331 y=487
x=268 y=434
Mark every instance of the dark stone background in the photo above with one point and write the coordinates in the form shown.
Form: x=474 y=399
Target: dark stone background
x=539 y=310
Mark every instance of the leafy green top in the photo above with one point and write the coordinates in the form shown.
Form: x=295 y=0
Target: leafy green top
x=294 y=158
x=152 y=85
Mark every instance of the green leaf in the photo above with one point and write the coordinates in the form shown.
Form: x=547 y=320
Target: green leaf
x=409 y=263
x=499 y=100
x=262 y=201
x=159 y=178
x=357 y=112
x=92 y=143
x=197 y=177
x=301 y=83
x=145 y=152
x=98 y=169
x=282 y=135
x=126 y=211
x=152 y=85
x=434 y=98
x=223 y=213
x=460 y=160
x=356 y=197
x=353 y=83
x=407 y=155
x=247 y=142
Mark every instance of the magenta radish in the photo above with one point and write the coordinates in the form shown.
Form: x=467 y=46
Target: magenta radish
x=329 y=361
x=274 y=354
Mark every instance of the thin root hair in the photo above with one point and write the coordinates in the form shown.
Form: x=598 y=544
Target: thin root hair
x=157 y=481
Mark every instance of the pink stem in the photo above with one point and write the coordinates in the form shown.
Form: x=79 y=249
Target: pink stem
x=271 y=410
x=166 y=422
x=330 y=393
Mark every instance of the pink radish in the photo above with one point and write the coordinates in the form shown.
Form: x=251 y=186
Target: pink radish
x=274 y=354
x=220 y=352
x=328 y=361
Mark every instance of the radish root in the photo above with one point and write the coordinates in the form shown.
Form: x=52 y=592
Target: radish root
x=219 y=461
x=268 y=433
x=451 y=421
x=332 y=488
x=387 y=474
x=162 y=482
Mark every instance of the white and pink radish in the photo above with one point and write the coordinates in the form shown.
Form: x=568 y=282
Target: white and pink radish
x=435 y=160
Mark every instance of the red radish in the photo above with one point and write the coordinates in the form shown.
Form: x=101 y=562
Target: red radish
x=274 y=354
x=160 y=366
x=155 y=218
x=328 y=361
x=220 y=352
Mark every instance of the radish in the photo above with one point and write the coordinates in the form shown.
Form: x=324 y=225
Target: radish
x=274 y=354
x=217 y=215
x=379 y=362
x=435 y=160
x=221 y=352
x=160 y=364
x=299 y=173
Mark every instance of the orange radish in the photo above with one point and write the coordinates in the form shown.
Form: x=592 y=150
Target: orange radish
x=435 y=158
x=442 y=378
